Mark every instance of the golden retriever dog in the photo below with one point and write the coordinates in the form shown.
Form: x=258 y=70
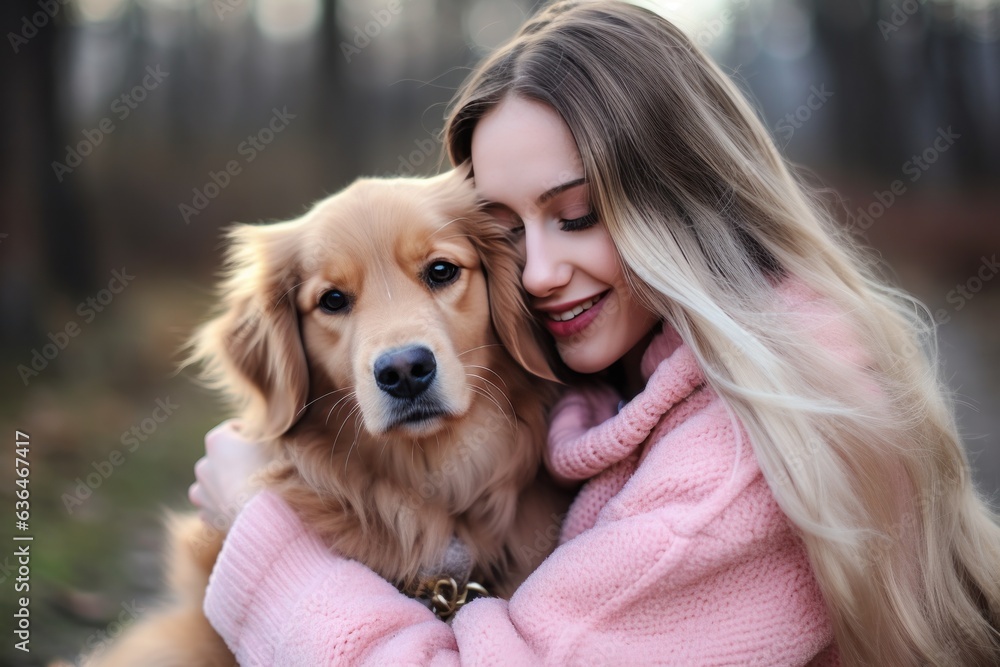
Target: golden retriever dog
x=381 y=346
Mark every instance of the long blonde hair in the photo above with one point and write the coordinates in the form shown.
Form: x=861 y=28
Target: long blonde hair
x=862 y=455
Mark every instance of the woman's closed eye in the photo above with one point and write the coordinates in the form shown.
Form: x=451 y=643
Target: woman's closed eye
x=515 y=226
x=578 y=224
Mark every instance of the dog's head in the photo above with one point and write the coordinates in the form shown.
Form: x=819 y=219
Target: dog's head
x=389 y=297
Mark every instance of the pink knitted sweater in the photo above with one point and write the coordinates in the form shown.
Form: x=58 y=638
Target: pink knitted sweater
x=674 y=552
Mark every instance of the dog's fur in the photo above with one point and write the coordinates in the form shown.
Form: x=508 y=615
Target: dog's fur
x=389 y=493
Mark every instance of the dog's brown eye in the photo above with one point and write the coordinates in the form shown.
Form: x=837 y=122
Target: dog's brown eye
x=333 y=301
x=439 y=274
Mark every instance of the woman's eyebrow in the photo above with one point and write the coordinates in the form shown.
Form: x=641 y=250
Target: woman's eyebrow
x=549 y=194
x=544 y=197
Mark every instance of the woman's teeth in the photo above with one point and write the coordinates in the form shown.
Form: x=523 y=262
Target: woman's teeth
x=570 y=314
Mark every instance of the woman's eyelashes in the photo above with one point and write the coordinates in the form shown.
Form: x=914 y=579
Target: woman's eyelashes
x=516 y=227
x=578 y=224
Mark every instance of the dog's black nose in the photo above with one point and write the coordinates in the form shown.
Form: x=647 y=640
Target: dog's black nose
x=407 y=372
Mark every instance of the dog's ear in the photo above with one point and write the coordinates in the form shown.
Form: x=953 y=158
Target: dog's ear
x=513 y=323
x=519 y=332
x=253 y=349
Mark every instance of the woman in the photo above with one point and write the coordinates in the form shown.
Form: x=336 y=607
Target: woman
x=775 y=476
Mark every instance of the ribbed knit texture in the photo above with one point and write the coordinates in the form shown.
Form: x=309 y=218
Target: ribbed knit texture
x=674 y=552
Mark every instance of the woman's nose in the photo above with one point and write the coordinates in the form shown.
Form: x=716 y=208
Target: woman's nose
x=545 y=270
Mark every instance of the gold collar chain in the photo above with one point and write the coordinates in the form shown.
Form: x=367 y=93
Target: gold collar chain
x=446 y=597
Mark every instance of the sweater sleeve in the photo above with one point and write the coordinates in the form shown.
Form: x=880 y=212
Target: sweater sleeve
x=278 y=596
x=619 y=591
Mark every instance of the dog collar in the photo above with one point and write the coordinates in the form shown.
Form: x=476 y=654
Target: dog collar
x=445 y=597
x=448 y=587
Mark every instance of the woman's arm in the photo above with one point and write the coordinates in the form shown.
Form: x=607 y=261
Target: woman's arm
x=279 y=597
x=639 y=585
x=628 y=590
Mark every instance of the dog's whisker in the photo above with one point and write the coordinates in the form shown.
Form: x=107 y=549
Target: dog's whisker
x=451 y=431
x=445 y=226
x=510 y=416
x=344 y=422
x=357 y=434
x=479 y=347
x=488 y=396
x=437 y=438
x=354 y=410
x=343 y=398
x=336 y=439
x=322 y=397
x=278 y=301
x=494 y=385
x=385 y=441
x=455 y=236
x=334 y=407
x=502 y=393
x=499 y=377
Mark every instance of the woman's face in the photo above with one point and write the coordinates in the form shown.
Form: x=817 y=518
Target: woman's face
x=527 y=166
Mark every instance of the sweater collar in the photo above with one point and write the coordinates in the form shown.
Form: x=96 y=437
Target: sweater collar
x=580 y=449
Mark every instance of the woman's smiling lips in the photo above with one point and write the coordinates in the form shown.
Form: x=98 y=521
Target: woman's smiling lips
x=578 y=321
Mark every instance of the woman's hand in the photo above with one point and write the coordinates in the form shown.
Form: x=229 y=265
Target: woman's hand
x=226 y=477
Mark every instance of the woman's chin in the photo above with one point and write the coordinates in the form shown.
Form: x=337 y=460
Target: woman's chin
x=583 y=359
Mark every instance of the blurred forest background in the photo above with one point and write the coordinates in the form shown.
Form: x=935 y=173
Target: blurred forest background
x=132 y=131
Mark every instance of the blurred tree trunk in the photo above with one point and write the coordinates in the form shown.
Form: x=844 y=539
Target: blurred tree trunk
x=54 y=216
x=68 y=239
